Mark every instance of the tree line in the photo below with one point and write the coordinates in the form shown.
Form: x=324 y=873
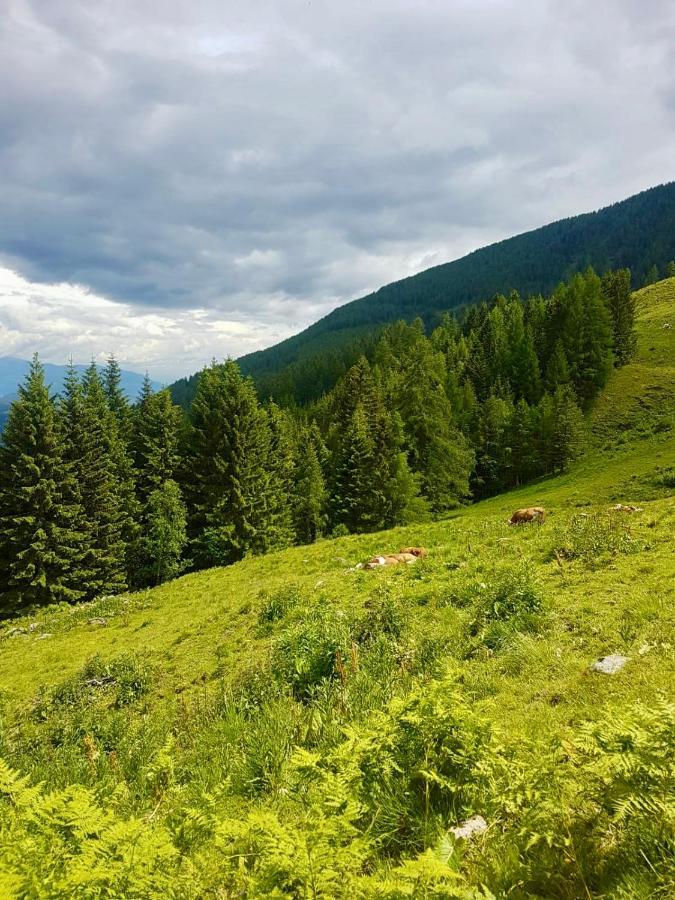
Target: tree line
x=98 y=495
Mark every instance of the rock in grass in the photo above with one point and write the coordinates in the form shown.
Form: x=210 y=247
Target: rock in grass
x=97 y=620
x=610 y=665
x=15 y=632
x=472 y=826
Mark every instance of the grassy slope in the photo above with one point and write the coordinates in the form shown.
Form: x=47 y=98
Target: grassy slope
x=204 y=625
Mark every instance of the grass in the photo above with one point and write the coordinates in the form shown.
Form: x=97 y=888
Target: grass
x=206 y=687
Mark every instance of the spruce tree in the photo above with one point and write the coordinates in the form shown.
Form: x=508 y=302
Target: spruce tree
x=568 y=429
x=94 y=450
x=158 y=426
x=557 y=370
x=616 y=290
x=39 y=541
x=358 y=500
x=280 y=470
x=226 y=474
x=117 y=399
x=309 y=487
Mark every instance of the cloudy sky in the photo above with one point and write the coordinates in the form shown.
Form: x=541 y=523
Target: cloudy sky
x=186 y=180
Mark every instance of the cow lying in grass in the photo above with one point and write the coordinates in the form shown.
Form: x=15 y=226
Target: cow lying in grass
x=407 y=556
x=531 y=514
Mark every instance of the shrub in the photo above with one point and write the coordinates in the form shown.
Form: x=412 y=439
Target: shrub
x=120 y=681
x=311 y=651
x=511 y=603
x=277 y=604
x=588 y=537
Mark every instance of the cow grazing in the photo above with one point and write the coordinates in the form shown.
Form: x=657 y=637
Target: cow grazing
x=531 y=514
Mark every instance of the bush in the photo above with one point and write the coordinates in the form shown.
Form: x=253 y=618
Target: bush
x=511 y=603
x=277 y=605
x=120 y=681
x=588 y=537
x=311 y=651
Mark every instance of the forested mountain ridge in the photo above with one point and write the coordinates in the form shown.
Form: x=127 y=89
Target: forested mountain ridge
x=637 y=233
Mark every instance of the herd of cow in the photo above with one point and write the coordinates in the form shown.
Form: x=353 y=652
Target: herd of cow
x=409 y=555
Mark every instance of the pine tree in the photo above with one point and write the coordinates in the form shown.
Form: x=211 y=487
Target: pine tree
x=670 y=269
x=358 y=500
x=225 y=474
x=493 y=451
x=94 y=450
x=568 y=429
x=621 y=304
x=523 y=451
x=158 y=426
x=117 y=399
x=557 y=371
x=39 y=541
x=164 y=535
x=581 y=320
x=364 y=430
x=309 y=490
x=280 y=468
x=652 y=276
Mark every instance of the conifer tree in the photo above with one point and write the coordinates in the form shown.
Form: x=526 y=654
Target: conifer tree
x=155 y=440
x=117 y=399
x=616 y=290
x=652 y=276
x=93 y=449
x=493 y=451
x=358 y=500
x=225 y=474
x=568 y=429
x=523 y=449
x=39 y=540
x=309 y=493
x=557 y=371
x=280 y=470
x=670 y=269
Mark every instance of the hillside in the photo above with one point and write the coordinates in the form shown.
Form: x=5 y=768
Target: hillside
x=294 y=727
x=637 y=233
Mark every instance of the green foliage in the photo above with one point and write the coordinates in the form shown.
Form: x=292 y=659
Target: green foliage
x=510 y=603
x=590 y=536
x=310 y=651
x=40 y=515
x=160 y=547
x=119 y=682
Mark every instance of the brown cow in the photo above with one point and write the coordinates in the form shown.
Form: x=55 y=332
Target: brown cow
x=419 y=552
x=393 y=559
x=531 y=514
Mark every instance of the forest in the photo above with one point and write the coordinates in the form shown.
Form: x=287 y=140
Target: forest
x=98 y=495
x=636 y=233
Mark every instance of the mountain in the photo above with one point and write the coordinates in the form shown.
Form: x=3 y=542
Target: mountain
x=292 y=726
x=13 y=371
x=638 y=233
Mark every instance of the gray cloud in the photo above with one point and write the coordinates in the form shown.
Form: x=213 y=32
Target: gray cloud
x=267 y=161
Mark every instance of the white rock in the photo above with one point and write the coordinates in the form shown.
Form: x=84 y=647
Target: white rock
x=610 y=665
x=474 y=825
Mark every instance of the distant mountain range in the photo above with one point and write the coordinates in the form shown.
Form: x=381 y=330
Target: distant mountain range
x=13 y=371
x=638 y=233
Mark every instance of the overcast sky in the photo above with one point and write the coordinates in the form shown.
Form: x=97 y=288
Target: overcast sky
x=186 y=180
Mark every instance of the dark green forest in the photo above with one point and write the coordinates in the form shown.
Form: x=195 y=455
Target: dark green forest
x=97 y=494
x=637 y=233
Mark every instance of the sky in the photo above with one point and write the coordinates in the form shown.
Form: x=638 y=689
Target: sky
x=182 y=181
